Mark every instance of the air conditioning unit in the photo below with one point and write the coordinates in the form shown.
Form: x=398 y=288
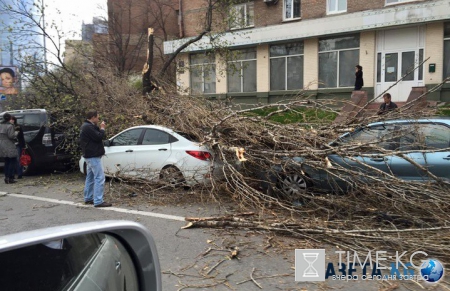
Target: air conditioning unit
x=270 y=2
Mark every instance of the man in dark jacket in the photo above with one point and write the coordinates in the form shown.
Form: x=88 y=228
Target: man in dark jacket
x=91 y=142
x=387 y=105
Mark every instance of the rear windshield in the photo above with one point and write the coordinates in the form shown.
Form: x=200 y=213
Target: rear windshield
x=31 y=123
x=188 y=136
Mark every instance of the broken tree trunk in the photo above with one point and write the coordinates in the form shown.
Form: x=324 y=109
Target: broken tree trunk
x=146 y=73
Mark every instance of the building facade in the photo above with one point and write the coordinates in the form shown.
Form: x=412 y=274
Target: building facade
x=283 y=46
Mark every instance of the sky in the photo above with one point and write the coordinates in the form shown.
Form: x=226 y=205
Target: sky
x=69 y=15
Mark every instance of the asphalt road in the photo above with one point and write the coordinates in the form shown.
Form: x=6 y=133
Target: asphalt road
x=191 y=259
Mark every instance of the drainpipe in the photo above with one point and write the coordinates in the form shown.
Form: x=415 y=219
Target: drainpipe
x=180 y=19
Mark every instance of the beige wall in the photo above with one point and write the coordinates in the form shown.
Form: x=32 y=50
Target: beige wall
x=434 y=49
x=221 y=75
x=367 y=57
x=311 y=64
x=183 y=74
x=262 y=68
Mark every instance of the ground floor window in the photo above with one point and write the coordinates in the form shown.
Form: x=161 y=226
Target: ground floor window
x=447 y=50
x=203 y=73
x=241 y=71
x=286 y=66
x=338 y=57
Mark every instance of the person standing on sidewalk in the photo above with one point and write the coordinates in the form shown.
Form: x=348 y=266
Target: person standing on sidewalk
x=91 y=142
x=359 y=81
x=20 y=145
x=8 y=148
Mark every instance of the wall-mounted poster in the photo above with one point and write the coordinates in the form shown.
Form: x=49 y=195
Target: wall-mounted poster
x=8 y=80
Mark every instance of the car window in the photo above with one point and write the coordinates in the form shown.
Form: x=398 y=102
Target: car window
x=31 y=122
x=80 y=250
x=52 y=265
x=409 y=138
x=435 y=136
x=154 y=136
x=380 y=135
x=129 y=137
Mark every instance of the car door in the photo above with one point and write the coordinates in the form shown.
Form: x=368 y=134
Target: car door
x=120 y=155
x=437 y=142
x=153 y=153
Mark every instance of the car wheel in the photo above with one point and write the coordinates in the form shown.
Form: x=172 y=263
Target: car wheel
x=171 y=176
x=294 y=186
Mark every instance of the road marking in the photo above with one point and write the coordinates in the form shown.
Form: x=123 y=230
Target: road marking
x=116 y=209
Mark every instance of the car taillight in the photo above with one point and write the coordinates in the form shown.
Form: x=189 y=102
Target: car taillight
x=204 y=156
x=47 y=140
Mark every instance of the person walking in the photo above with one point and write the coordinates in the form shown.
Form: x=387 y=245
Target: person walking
x=387 y=105
x=8 y=148
x=91 y=142
x=359 y=82
x=20 y=145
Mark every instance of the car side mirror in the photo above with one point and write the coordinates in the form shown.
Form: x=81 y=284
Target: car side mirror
x=107 y=143
x=105 y=255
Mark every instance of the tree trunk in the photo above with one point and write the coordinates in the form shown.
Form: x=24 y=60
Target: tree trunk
x=146 y=74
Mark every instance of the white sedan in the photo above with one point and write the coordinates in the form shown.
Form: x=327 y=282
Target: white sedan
x=158 y=153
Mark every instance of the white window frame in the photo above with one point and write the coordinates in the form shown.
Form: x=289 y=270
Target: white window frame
x=338 y=63
x=249 y=15
x=394 y=2
x=333 y=6
x=286 y=73
x=446 y=39
x=203 y=67
x=285 y=2
x=242 y=64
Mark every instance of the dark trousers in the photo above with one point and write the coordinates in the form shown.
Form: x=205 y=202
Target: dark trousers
x=10 y=167
x=19 y=168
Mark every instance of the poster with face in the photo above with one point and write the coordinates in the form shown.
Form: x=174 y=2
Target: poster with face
x=8 y=80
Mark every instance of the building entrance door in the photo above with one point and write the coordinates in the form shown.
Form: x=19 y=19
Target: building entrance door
x=399 y=55
x=400 y=72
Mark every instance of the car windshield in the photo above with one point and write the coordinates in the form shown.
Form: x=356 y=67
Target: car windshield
x=385 y=136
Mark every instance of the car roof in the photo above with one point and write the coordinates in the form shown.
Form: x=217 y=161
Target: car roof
x=160 y=127
x=21 y=111
x=443 y=119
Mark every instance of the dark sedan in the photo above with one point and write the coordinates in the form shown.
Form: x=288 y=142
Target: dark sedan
x=412 y=150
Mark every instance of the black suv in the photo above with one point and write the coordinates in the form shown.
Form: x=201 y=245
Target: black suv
x=44 y=143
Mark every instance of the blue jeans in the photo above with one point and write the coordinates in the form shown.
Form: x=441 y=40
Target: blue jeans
x=95 y=181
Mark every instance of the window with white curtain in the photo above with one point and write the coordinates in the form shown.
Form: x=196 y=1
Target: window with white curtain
x=338 y=57
x=203 y=73
x=241 y=71
x=286 y=66
x=336 y=6
x=242 y=15
x=291 y=9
